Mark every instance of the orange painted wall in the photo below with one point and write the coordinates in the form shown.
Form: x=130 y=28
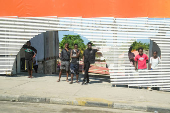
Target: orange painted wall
x=86 y=8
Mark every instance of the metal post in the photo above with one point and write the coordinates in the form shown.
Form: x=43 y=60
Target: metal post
x=44 y=54
x=18 y=63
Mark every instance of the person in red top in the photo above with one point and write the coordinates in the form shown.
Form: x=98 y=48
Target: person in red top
x=141 y=59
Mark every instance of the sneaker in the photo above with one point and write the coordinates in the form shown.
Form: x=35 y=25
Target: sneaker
x=86 y=83
x=83 y=83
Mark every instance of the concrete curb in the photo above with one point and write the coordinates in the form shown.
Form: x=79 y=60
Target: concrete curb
x=112 y=105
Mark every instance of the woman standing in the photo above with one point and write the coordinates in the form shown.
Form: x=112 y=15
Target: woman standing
x=131 y=57
x=154 y=61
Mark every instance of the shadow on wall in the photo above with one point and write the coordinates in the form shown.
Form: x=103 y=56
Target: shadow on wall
x=154 y=47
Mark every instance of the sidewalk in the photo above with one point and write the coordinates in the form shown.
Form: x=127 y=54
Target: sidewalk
x=44 y=88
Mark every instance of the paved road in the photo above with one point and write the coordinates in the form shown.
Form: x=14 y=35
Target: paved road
x=20 y=107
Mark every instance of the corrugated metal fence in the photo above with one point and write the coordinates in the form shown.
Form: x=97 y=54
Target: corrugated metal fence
x=112 y=35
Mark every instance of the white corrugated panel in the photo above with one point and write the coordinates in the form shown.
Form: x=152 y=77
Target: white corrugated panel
x=112 y=35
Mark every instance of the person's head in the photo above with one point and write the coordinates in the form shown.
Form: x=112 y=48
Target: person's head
x=140 y=50
x=28 y=43
x=66 y=45
x=155 y=54
x=75 y=46
x=130 y=49
x=89 y=44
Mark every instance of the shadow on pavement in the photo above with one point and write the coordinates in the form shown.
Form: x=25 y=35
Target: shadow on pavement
x=93 y=78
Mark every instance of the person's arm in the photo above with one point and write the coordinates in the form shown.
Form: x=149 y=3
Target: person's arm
x=61 y=55
x=95 y=50
x=83 y=61
x=150 y=63
x=83 y=56
x=83 y=65
x=159 y=60
x=72 y=54
x=77 y=54
x=136 y=63
x=146 y=61
x=35 y=51
x=68 y=51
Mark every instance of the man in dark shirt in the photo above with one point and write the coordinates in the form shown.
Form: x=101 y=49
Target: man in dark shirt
x=88 y=58
x=65 y=61
x=74 y=66
x=30 y=53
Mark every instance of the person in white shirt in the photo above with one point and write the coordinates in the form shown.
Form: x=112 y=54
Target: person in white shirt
x=35 y=64
x=154 y=61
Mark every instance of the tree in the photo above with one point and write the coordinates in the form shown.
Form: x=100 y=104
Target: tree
x=136 y=45
x=71 y=40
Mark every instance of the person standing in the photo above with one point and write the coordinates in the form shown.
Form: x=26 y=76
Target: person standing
x=65 y=61
x=30 y=53
x=131 y=57
x=154 y=61
x=141 y=59
x=74 y=66
x=88 y=58
x=35 y=64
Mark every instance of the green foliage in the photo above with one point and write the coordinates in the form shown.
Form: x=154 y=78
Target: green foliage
x=136 y=45
x=73 y=39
